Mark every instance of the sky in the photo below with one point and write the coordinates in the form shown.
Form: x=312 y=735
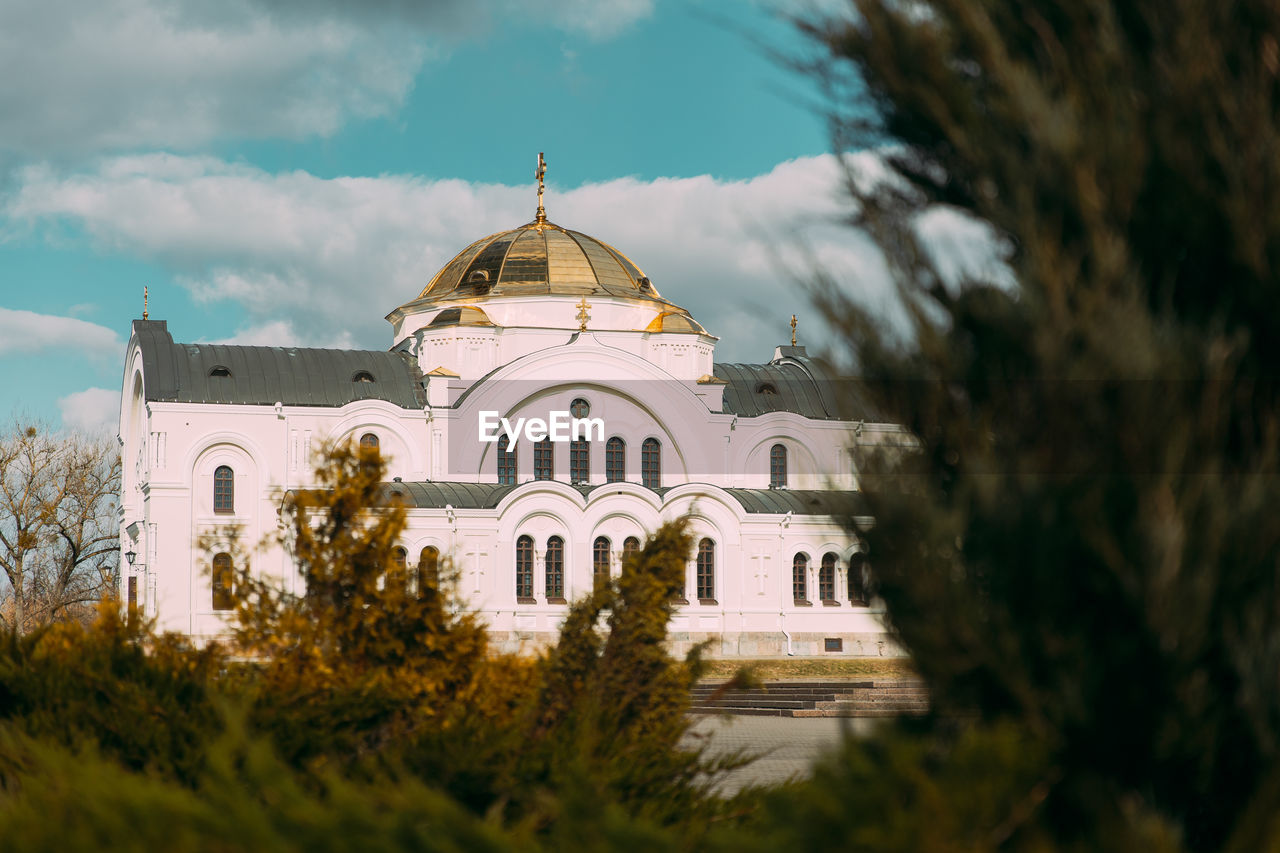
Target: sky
x=285 y=173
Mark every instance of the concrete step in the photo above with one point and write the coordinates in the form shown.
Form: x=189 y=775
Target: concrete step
x=739 y=711
x=885 y=697
x=705 y=689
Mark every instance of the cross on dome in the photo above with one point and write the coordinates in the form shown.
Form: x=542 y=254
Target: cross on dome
x=541 y=216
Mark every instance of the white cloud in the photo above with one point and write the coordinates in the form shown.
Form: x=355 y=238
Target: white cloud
x=599 y=19
x=81 y=76
x=25 y=332
x=86 y=76
x=280 y=333
x=94 y=410
x=319 y=261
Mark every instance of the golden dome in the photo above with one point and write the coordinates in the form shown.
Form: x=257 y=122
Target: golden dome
x=674 y=321
x=539 y=259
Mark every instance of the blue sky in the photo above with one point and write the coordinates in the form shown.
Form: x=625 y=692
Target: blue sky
x=287 y=173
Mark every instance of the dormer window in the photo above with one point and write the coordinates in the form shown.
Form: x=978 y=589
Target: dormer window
x=219 y=370
x=363 y=376
x=767 y=388
x=478 y=277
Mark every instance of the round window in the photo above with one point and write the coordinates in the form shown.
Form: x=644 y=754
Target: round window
x=579 y=408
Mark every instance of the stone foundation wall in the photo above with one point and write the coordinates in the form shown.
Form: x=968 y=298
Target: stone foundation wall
x=754 y=644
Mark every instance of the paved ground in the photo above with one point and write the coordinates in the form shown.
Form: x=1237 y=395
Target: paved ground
x=787 y=745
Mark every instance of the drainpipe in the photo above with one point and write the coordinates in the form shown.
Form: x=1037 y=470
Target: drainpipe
x=782 y=614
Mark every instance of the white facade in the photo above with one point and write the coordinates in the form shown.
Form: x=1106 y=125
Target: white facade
x=539 y=330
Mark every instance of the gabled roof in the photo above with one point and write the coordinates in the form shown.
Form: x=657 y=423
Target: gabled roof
x=252 y=375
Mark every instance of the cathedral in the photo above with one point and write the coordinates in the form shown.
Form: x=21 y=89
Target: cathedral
x=541 y=409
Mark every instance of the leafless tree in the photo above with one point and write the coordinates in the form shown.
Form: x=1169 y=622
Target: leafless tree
x=58 y=540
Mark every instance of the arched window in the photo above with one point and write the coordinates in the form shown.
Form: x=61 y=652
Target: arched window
x=398 y=571
x=707 y=571
x=630 y=545
x=428 y=571
x=651 y=463
x=555 y=568
x=827 y=578
x=524 y=569
x=800 y=578
x=224 y=490
x=369 y=440
x=223 y=577
x=857 y=578
x=579 y=460
x=506 y=461
x=778 y=467
x=600 y=552
x=543 y=460
x=615 y=460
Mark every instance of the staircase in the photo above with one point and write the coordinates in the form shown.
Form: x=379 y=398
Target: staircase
x=872 y=697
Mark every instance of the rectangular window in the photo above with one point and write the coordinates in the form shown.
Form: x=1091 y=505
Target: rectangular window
x=524 y=569
x=706 y=571
x=224 y=495
x=543 y=460
x=600 y=560
x=799 y=579
x=651 y=464
x=579 y=461
x=615 y=460
x=833 y=644
x=827 y=578
x=506 y=462
x=555 y=568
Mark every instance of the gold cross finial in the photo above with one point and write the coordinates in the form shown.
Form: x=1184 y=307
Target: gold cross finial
x=144 y=303
x=542 y=171
x=793 y=329
x=583 y=316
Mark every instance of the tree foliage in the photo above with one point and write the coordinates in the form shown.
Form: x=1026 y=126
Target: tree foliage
x=366 y=712
x=1085 y=541
x=58 y=541
x=366 y=649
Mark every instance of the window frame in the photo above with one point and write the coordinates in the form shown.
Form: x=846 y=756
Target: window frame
x=651 y=463
x=222 y=577
x=800 y=578
x=544 y=460
x=705 y=575
x=579 y=461
x=855 y=569
x=428 y=571
x=601 y=558
x=507 y=461
x=524 y=569
x=553 y=570
x=224 y=490
x=778 y=466
x=827 y=578
x=615 y=460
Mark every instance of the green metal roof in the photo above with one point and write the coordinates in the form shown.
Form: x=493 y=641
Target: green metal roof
x=793 y=383
x=437 y=495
